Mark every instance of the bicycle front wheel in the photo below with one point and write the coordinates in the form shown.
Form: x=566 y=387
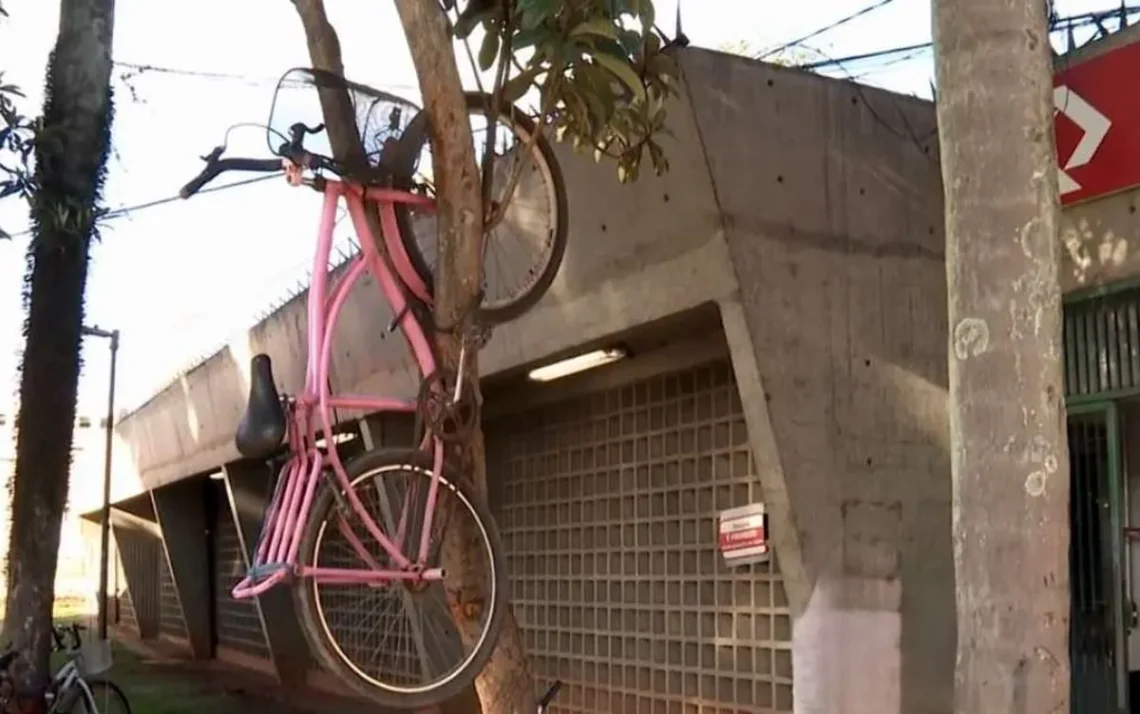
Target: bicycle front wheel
x=523 y=251
x=97 y=696
x=403 y=645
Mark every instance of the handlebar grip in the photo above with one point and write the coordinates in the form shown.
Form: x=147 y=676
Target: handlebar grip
x=195 y=184
x=214 y=168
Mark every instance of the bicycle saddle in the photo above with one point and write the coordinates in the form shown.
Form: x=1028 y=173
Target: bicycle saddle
x=261 y=430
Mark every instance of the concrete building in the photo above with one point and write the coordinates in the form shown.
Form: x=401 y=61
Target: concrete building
x=781 y=294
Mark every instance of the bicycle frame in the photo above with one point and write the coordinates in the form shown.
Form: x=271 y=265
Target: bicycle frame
x=310 y=413
x=63 y=680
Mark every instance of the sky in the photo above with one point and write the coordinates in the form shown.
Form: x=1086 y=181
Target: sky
x=179 y=278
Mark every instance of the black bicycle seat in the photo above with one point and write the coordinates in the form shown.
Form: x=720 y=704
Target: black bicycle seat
x=261 y=430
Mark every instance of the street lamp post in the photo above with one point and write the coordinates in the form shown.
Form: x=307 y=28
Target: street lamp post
x=105 y=522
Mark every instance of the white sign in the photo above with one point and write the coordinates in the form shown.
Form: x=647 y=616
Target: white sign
x=743 y=535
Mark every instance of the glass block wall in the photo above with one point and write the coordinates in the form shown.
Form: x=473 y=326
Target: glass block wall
x=608 y=507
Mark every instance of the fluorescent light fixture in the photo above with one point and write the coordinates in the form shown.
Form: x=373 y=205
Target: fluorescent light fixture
x=574 y=365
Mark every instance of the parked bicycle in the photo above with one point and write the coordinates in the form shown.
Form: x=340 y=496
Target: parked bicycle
x=373 y=528
x=77 y=687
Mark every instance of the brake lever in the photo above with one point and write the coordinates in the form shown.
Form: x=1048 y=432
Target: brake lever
x=214 y=155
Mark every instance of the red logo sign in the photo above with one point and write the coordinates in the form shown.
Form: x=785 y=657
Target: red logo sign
x=1097 y=123
x=738 y=540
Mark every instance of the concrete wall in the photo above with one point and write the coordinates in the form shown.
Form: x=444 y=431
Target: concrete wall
x=832 y=214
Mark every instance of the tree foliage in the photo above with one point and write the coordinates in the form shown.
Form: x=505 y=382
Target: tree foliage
x=16 y=143
x=602 y=73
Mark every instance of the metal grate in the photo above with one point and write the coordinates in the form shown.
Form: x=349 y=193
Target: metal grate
x=126 y=612
x=238 y=623
x=140 y=604
x=171 y=621
x=608 y=513
x=1095 y=584
x=1102 y=344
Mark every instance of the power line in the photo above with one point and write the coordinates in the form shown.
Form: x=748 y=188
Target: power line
x=125 y=210
x=1057 y=25
x=829 y=61
x=141 y=69
x=828 y=28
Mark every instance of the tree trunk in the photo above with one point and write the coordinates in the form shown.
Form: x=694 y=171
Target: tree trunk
x=505 y=685
x=1009 y=453
x=70 y=167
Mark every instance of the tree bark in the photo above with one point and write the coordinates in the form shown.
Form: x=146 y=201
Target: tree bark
x=1009 y=455
x=70 y=167
x=505 y=685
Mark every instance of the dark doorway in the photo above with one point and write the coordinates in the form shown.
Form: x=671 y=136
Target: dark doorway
x=1096 y=573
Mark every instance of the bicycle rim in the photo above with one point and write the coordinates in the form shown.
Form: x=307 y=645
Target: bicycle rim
x=108 y=697
x=522 y=254
x=342 y=632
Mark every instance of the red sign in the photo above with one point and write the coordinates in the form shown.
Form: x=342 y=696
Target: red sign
x=1097 y=122
x=743 y=534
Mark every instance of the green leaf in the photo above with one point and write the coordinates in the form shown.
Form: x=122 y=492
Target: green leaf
x=597 y=26
x=517 y=86
x=533 y=36
x=630 y=40
x=623 y=71
x=472 y=16
x=648 y=16
x=489 y=50
x=532 y=13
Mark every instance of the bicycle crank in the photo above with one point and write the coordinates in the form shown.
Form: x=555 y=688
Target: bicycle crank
x=449 y=419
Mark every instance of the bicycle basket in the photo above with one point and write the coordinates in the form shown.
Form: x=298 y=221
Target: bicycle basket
x=94 y=657
x=381 y=118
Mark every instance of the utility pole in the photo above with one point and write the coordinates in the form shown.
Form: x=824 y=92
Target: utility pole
x=105 y=512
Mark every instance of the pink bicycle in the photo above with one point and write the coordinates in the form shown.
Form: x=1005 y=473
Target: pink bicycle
x=373 y=528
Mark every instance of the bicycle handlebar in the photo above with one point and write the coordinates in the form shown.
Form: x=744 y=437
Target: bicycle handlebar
x=59 y=633
x=216 y=166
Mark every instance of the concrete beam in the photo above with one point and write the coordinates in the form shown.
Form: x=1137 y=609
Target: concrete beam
x=249 y=486
x=762 y=441
x=183 y=517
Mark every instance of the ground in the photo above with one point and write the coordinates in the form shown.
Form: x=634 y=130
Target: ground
x=156 y=684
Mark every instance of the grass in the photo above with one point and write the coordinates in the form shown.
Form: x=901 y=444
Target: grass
x=153 y=688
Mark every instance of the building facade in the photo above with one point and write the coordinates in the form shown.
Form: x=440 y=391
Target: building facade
x=781 y=296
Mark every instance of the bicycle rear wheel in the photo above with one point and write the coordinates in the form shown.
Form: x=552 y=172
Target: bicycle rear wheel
x=524 y=251
x=401 y=657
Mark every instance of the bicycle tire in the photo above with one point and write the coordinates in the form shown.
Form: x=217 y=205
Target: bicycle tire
x=305 y=600
x=412 y=143
x=113 y=691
